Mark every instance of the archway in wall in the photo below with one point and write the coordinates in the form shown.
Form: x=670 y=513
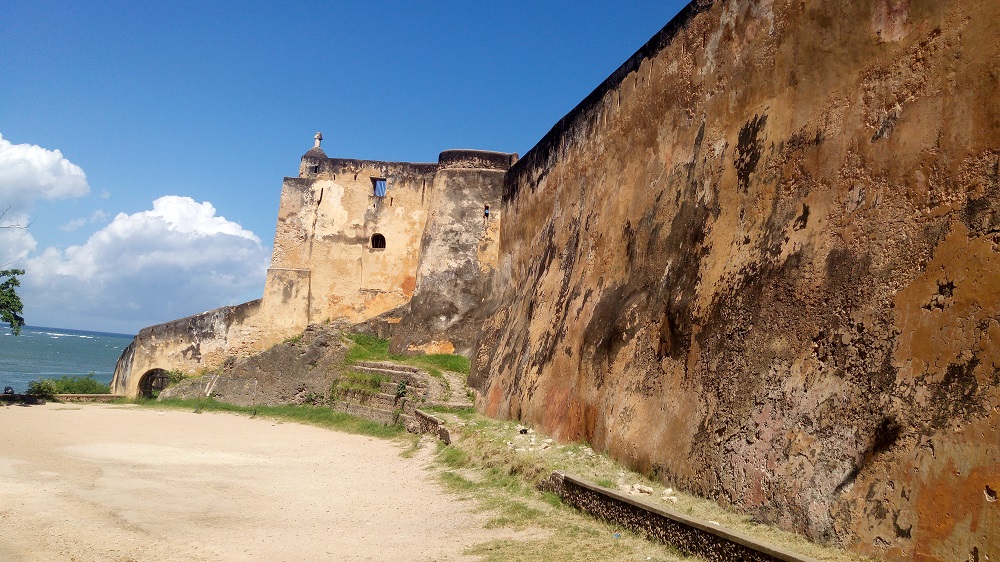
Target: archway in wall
x=378 y=241
x=153 y=382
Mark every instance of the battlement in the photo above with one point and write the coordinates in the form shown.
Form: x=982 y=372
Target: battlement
x=316 y=164
x=476 y=159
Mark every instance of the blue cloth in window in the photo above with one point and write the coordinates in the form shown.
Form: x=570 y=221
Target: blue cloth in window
x=379 y=188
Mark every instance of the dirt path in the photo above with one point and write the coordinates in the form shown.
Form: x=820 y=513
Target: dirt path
x=118 y=483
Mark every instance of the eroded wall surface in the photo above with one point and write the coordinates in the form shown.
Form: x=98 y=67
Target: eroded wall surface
x=326 y=221
x=762 y=262
x=193 y=344
x=459 y=251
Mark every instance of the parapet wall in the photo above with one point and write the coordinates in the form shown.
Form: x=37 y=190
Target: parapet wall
x=192 y=344
x=759 y=263
x=476 y=159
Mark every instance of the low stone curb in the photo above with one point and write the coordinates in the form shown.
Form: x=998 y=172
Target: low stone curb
x=690 y=534
x=88 y=397
x=433 y=425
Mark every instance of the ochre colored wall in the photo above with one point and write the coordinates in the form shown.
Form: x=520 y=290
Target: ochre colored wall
x=325 y=225
x=192 y=344
x=762 y=262
x=324 y=267
x=459 y=250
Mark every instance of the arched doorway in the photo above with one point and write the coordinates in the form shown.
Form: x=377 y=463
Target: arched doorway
x=378 y=241
x=153 y=382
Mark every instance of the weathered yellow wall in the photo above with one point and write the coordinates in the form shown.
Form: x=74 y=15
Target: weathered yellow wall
x=193 y=344
x=324 y=267
x=761 y=262
x=459 y=250
x=325 y=225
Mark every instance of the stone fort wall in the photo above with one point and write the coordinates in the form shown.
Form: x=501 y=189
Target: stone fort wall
x=760 y=263
x=343 y=253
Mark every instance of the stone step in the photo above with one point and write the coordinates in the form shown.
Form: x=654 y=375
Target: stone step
x=377 y=400
x=412 y=391
x=411 y=378
x=451 y=404
x=387 y=366
x=388 y=417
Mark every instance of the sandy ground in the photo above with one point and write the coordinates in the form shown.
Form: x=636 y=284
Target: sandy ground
x=116 y=483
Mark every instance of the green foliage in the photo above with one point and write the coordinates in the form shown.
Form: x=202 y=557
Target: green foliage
x=372 y=348
x=367 y=348
x=445 y=361
x=42 y=388
x=175 y=376
x=79 y=385
x=365 y=383
x=458 y=482
x=401 y=389
x=11 y=306
x=464 y=412
x=292 y=340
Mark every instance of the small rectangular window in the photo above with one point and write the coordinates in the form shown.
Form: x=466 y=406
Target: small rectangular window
x=378 y=187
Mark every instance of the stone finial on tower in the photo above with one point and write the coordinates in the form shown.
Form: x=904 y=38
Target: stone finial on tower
x=319 y=139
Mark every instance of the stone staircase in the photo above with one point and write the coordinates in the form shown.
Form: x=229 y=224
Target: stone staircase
x=383 y=405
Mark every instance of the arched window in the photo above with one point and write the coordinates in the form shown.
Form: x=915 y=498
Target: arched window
x=378 y=241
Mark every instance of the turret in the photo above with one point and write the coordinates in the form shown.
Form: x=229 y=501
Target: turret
x=312 y=161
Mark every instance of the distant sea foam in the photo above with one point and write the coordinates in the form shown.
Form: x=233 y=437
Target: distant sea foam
x=53 y=352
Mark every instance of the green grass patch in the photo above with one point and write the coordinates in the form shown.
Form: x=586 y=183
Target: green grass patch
x=372 y=348
x=313 y=415
x=463 y=413
x=411 y=451
x=457 y=482
x=367 y=348
x=365 y=383
x=452 y=456
x=443 y=361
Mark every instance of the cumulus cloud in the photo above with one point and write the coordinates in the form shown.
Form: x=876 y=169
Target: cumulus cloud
x=29 y=172
x=172 y=261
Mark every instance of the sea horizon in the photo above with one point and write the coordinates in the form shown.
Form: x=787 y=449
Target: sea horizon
x=74 y=330
x=50 y=352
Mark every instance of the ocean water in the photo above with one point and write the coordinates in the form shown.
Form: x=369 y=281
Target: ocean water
x=54 y=352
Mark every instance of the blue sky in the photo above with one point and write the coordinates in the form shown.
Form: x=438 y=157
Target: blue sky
x=146 y=142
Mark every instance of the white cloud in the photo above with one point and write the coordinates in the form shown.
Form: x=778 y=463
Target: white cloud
x=172 y=261
x=29 y=172
x=73 y=225
x=16 y=243
x=97 y=216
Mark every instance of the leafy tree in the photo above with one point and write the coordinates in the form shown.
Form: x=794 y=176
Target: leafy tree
x=42 y=388
x=10 y=304
x=79 y=385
